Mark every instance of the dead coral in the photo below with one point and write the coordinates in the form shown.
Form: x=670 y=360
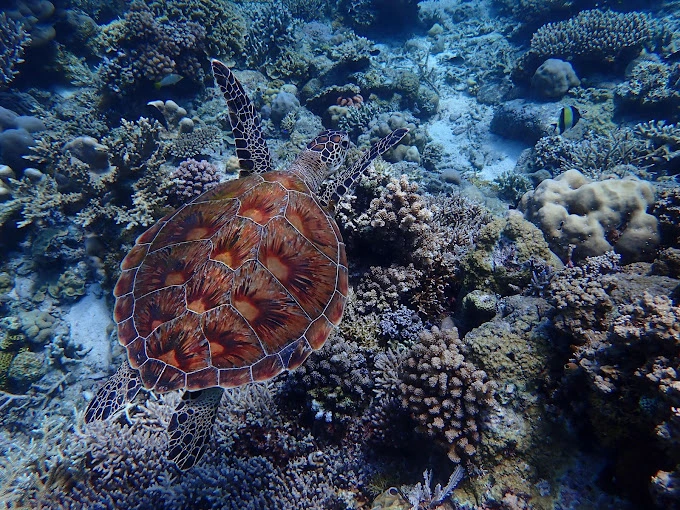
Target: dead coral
x=445 y=394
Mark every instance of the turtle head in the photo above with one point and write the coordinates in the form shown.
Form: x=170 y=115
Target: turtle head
x=331 y=146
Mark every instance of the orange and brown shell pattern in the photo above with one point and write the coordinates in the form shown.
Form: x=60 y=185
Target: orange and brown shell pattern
x=236 y=286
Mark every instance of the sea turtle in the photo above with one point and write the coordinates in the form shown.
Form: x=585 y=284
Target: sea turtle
x=236 y=286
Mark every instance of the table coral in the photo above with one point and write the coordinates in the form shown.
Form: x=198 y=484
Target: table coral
x=444 y=393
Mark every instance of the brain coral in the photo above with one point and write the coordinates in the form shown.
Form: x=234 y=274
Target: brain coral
x=594 y=216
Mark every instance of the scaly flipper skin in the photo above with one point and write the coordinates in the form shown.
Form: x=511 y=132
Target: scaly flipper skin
x=121 y=388
x=191 y=425
x=346 y=180
x=251 y=149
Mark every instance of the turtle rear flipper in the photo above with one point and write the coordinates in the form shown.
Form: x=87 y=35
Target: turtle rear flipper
x=191 y=425
x=121 y=388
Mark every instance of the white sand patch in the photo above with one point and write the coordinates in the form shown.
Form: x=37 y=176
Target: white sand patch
x=462 y=127
x=89 y=319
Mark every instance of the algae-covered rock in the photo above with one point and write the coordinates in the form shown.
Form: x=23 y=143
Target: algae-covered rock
x=26 y=368
x=69 y=287
x=500 y=262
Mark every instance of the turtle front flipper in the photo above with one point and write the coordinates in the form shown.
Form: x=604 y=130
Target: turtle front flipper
x=251 y=149
x=191 y=425
x=121 y=388
x=345 y=180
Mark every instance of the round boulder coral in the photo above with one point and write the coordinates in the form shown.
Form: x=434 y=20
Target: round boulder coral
x=594 y=216
x=554 y=78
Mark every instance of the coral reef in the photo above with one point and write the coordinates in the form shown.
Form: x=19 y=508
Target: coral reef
x=594 y=37
x=151 y=50
x=500 y=261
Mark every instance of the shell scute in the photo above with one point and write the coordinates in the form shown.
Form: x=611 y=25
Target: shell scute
x=236 y=242
x=295 y=354
x=269 y=310
x=157 y=308
x=318 y=332
x=231 y=378
x=172 y=265
x=180 y=343
x=307 y=216
x=136 y=351
x=127 y=331
x=123 y=308
x=206 y=378
x=288 y=180
x=209 y=287
x=232 y=342
x=303 y=270
x=171 y=379
x=268 y=367
x=263 y=202
x=195 y=221
x=231 y=189
x=135 y=256
x=150 y=372
x=125 y=283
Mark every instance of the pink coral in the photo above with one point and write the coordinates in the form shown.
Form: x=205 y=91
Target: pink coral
x=193 y=178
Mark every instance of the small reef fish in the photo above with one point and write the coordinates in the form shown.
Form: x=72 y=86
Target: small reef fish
x=568 y=118
x=170 y=79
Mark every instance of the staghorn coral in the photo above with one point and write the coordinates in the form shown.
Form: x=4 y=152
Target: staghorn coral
x=445 y=394
x=13 y=41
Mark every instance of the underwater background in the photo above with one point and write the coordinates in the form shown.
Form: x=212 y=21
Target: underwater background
x=512 y=337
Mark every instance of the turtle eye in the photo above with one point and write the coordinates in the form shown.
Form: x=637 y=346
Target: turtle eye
x=345 y=144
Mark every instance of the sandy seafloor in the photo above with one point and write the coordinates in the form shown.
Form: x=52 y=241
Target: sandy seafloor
x=511 y=338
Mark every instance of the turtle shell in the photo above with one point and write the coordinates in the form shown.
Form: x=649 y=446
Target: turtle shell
x=236 y=286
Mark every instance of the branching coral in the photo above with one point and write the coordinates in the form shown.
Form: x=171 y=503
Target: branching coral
x=445 y=394
x=13 y=40
x=593 y=37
